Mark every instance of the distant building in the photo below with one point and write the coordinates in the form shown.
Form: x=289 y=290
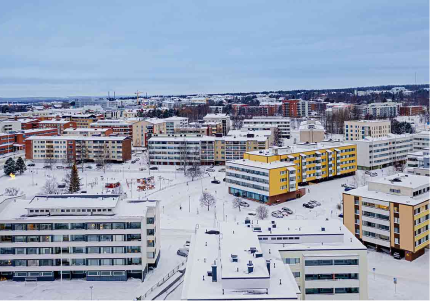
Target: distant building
x=418 y=163
x=311 y=131
x=360 y=129
x=91 y=237
x=421 y=140
x=7 y=126
x=83 y=102
x=376 y=153
x=381 y=109
x=60 y=125
x=283 y=125
x=412 y=110
x=295 y=108
x=88 y=132
x=73 y=148
x=223 y=118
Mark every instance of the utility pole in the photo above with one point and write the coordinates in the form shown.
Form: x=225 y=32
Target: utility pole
x=189 y=203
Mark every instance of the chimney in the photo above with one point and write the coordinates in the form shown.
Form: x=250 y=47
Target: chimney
x=250 y=267
x=214 y=273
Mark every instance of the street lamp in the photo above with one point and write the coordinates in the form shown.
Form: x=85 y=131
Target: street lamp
x=91 y=287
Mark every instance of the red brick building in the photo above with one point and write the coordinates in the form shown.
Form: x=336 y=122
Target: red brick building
x=295 y=108
x=60 y=125
x=412 y=110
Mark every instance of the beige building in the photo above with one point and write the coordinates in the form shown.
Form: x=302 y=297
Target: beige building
x=311 y=131
x=391 y=213
x=359 y=129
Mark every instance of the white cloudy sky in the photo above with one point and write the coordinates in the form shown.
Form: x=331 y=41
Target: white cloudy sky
x=63 y=48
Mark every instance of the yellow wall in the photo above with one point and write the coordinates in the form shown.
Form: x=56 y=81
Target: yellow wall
x=406 y=219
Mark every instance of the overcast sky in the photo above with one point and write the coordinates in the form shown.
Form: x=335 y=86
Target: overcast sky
x=64 y=48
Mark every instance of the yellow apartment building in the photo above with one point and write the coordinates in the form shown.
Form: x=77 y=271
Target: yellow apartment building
x=314 y=162
x=391 y=213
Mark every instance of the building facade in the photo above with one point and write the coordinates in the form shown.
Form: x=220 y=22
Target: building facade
x=78 y=148
x=421 y=140
x=224 y=119
x=418 y=163
x=311 y=131
x=314 y=162
x=295 y=108
x=92 y=237
x=391 y=213
x=357 y=130
x=283 y=125
x=60 y=125
x=376 y=153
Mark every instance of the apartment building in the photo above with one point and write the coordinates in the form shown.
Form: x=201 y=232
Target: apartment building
x=418 y=163
x=172 y=123
x=60 y=125
x=92 y=237
x=134 y=128
x=421 y=140
x=276 y=260
x=269 y=183
x=224 y=119
x=87 y=132
x=6 y=143
x=295 y=108
x=311 y=131
x=412 y=110
x=7 y=126
x=376 y=153
x=205 y=150
x=15 y=140
x=360 y=129
x=391 y=213
x=269 y=134
x=283 y=125
x=314 y=162
x=82 y=121
x=381 y=109
x=78 y=148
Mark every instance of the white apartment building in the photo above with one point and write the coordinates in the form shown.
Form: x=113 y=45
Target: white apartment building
x=418 y=163
x=360 y=129
x=283 y=124
x=421 y=140
x=175 y=122
x=376 y=153
x=224 y=119
x=381 y=109
x=7 y=126
x=205 y=150
x=87 y=132
x=276 y=260
x=94 y=237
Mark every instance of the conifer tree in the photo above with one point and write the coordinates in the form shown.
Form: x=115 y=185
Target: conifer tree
x=75 y=184
x=20 y=166
x=9 y=166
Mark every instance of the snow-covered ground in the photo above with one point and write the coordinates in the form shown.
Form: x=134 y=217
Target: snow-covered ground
x=181 y=213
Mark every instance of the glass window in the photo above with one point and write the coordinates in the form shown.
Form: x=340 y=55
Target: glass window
x=32 y=251
x=78 y=250
x=61 y=226
x=20 y=238
x=106 y=250
x=134 y=225
x=119 y=262
x=118 y=249
x=118 y=226
x=346 y=262
x=93 y=262
x=91 y=250
x=20 y=262
x=77 y=226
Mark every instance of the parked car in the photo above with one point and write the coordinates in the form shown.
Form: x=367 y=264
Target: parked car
x=142 y=169
x=153 y=168
x=89 y=167
x=367 y=172
x=47 y=167
x=182 y=252
x=222 y=170
x=180 y=169
x=252 y=213
x=187 y=244
x=374 y=174
x=99 y=165
x=212 y=232
x=277 y=214
x=348 y=188
x=83 y=191
x=214 y=181
x=60 y=167
x=210 y=169
x=314 y=203
x=243 y=204
x=307 y=205
x=341 y=215
x=31 y=164
x=288 y=210
x=397 y=255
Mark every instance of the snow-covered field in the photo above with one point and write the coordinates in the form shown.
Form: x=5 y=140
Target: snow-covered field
x=181 y=212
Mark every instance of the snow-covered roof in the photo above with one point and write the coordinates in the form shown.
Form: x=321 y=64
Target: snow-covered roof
x=262 y=165
x=216 y=116
x=385 y=138
x=299 y=148
x=73 y=201
x=91 y=138
x=388 y=197
x=55 y=121
x=77 y=130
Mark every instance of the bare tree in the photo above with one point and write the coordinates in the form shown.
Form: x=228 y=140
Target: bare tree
x=82 y=154
x=237 y=203
x=11 y=191
x=50 y=187
x=262 y=212
x=207 y=200
x=49 y=158
x=102 y=157
x=195 y=171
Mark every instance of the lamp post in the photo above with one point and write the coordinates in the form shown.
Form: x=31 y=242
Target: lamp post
x=91 y=288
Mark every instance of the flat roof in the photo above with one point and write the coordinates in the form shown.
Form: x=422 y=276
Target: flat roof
x=73 y=201
x=86 y=130
x=388 y=137
x=406 y=180
x=17 y=211
x=233 y=280
x=300 y=148
x=91 y=138
x=272 y=165
x=55 y=121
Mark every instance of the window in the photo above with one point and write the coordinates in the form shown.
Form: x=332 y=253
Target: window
x=313 y=291
x=296 y=274
x=346 y=262
x=318 y=262
x=347 y=290
x=150 y=220
x=396 y=240
x=292 y=260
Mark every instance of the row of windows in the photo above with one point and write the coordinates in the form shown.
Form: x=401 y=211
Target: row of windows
x=421 y=240
x=70 y=250
x=331 y=291
x=60 y=238
x=71 y=262
x=324 y=262
x=74 y=226
x=310 y=277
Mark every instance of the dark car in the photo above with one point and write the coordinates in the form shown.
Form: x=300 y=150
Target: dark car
x=397 y=255
x=216 y=182
x=31 y=164
x=89 y=167
x=348 y=188
x=341 y=215
x=244 y=204
x=153 y=168
x=99 y=165
x=310 y=206
x=47 y=167
x=60 y=167
x=182 y=252
x=212 y=232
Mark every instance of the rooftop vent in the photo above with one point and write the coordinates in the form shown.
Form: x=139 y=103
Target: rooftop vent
x=234 y=258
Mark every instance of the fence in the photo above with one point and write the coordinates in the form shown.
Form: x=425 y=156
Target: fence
x=162 y=281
